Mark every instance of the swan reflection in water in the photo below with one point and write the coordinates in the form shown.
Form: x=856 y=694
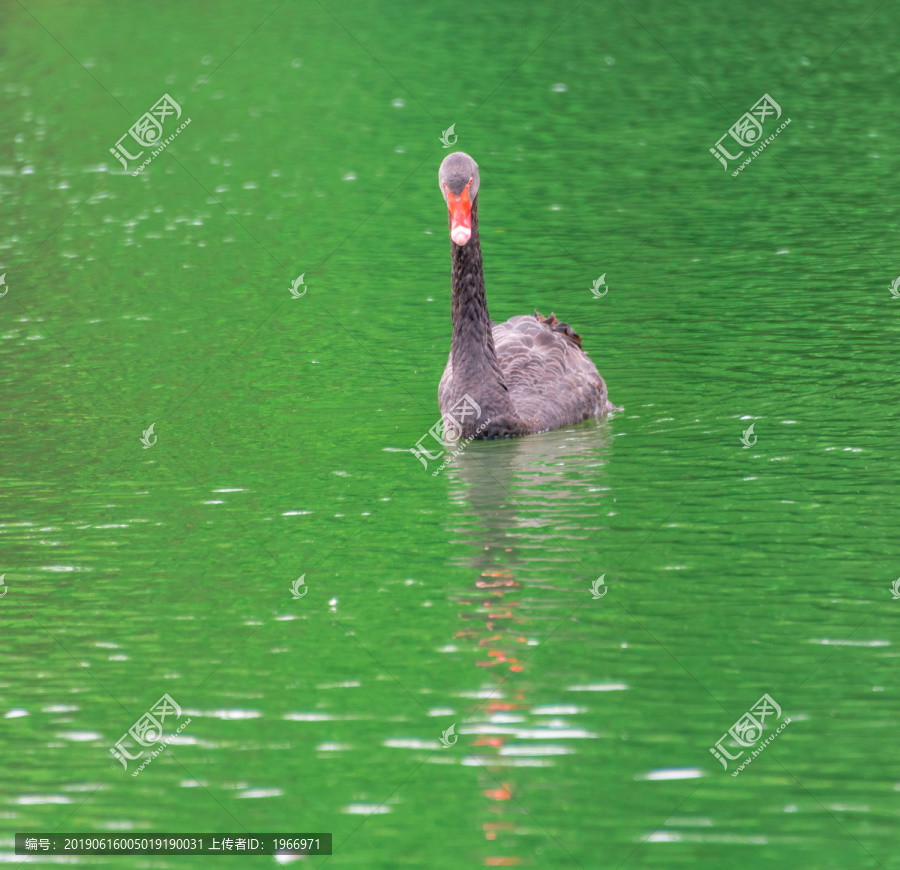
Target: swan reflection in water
x=525 y=507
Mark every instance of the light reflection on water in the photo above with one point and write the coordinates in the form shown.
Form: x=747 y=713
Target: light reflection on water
x=513 y=499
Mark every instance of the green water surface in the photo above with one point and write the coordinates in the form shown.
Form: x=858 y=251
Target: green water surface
x=283 y=430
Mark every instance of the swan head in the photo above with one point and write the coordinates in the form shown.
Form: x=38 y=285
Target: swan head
x=458 y=180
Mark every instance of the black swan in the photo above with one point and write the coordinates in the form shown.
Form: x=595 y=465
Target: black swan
x=524 y=376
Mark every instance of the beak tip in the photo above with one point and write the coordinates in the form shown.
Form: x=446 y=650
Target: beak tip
x=460 y=235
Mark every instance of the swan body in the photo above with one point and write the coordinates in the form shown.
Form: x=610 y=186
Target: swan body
x=527 y=375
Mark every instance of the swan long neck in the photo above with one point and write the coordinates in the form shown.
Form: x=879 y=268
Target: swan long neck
x=472 y=349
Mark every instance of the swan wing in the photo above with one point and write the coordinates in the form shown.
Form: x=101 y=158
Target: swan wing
x=551 y=380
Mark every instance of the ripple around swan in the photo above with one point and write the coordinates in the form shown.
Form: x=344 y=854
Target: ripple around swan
x=411 y=743
x=678 y=837
x=527 y=733
x=535 y=751
x=190 y=740
x=827 y=642
x=236 y=713
x=441 y=711
x=667 y=773
x=79 y=736
x=557 y=710
x=507 y=761
x=36 y=799
x=598 y=687
x=261 y=793
x=310 y=717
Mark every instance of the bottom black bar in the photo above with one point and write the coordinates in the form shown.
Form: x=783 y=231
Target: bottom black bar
x=173 y=844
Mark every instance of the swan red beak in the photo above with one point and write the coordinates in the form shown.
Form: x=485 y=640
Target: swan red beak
x=460 y=215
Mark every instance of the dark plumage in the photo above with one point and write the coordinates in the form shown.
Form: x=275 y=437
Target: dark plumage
x=524 y=376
